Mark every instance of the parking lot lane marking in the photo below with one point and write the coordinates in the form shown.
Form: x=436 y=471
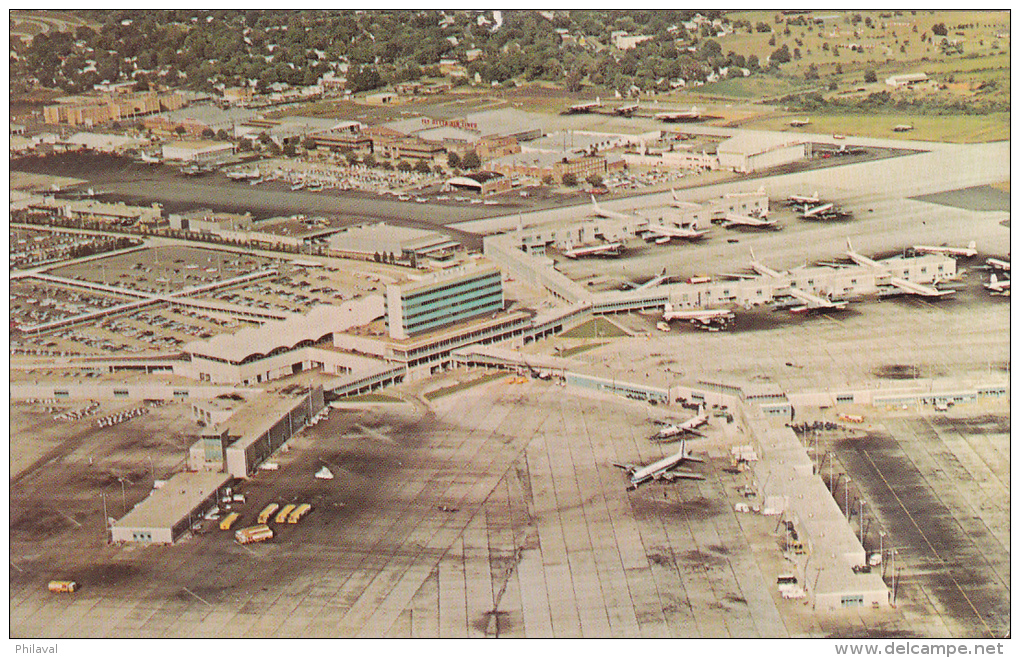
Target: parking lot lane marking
x=934 y=552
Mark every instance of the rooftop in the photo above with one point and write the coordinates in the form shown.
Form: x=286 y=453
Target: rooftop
x=286 y=334
x=174 y=500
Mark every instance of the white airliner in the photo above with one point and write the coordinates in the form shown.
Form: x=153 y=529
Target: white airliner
x=795 y=199
x=244 y=175
x=664 y=233
x=815 y=211
x=997 y=264
x=734 y=219
x=607 y=249
x=962 y=252
x=764 y=270
x=626 y=110
x=998 y=287
x=901 y=285
x=150 y=159
x=705 y=317
x=813 y=302
x=685 y=115
x=599 y=211
x=687 y=427
x=582 y=108
x=662 y=469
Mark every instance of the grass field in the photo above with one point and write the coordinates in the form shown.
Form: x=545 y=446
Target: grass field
x=447 y=390
x=964 y=129
x=597 y=328
x=578 y=349
x=372 y=397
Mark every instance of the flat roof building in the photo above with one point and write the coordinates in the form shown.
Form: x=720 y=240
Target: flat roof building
x=442 y=299
x=749 y=152
x=171 y=510
x=201 y=151
x=367 y=240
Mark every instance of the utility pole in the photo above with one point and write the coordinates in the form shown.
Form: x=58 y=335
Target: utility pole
x=860 y=515
x=846 y=498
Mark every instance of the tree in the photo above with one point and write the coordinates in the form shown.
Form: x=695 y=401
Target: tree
x=222 y=135
x=180 y=131
x=812 y=73
x=369 y=160
x=780 y=55
x=870 y=76
x=352 y=158
x=453 y=159
x=569 y=179
x=471 y=160
x=939 y=29
x=547 y=179
x=594 y=180
x=404 y=165
x=422 y=167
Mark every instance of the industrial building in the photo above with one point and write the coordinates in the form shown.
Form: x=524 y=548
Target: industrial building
x=442 y=299
x=258 y=430
x=368 y=240
x=482 y=183
x=749 y=152
x=171 y=510
x=93 y=110
x=198 y=152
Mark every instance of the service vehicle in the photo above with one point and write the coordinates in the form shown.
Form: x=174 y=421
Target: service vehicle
x=62 y=586
x=228 y=520
x=253 y=534
x=284 y=513
x=298 y=512
x=267 y=512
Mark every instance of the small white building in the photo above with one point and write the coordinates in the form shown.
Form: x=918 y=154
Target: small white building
x=197 y=152
x=906 y=79
x=171 y=510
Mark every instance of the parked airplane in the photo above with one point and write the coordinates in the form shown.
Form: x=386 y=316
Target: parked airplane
x=692 y=114
x=662 y=469
x=687 y=427
x=813 y=302
x=901 y=285
x=998 y=287
x=626 y=110
x=799 y=123
x=607 y=249
x=997 y=264
x=664 y=233
x=149 y=159
x=244 y=175
x=824 y=211
x=961 y=252
x=706 y=318
x=651 y=283
x=599 y=211
x=584 y=108
x=762 y=269
x=902 y=128
x=734 y=219
x=801 y=199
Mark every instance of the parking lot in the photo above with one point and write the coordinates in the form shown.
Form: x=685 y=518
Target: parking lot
x=165 y=269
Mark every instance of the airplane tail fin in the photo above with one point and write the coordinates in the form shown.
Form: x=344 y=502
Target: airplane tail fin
x=663 y=271
x=849 y=247
x=753 y=259
x=673 y=190
x=598 y=101
x=594 y=203
x=993 y=281
x=972 y=244
x=761 y=190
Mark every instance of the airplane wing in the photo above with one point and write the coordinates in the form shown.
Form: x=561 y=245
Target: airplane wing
x=918 y=289
x=744 y=220
x=630 y=468
x=812 y=301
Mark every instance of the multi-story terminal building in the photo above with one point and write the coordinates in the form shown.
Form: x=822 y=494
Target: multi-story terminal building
x=443 y=299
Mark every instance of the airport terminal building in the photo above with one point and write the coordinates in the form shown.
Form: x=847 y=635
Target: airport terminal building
x=443 y=299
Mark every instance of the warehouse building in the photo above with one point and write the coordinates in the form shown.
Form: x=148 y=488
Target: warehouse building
x=198 y=152
x=442 y=299
x=750 y=152
x=482 y=183
x=368 y=240
x=172 y=510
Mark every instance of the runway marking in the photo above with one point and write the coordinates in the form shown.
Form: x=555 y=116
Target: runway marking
x=197 y=596
x=910 y=516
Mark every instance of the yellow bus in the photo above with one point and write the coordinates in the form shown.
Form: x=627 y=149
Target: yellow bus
x=284 y=513
x=228 y=520
x=301 y=510
x=267 y=512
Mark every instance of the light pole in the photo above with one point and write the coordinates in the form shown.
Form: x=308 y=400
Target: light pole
x=881 y=550
x=846 y=497
x=860 y=517
x=123 y=495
